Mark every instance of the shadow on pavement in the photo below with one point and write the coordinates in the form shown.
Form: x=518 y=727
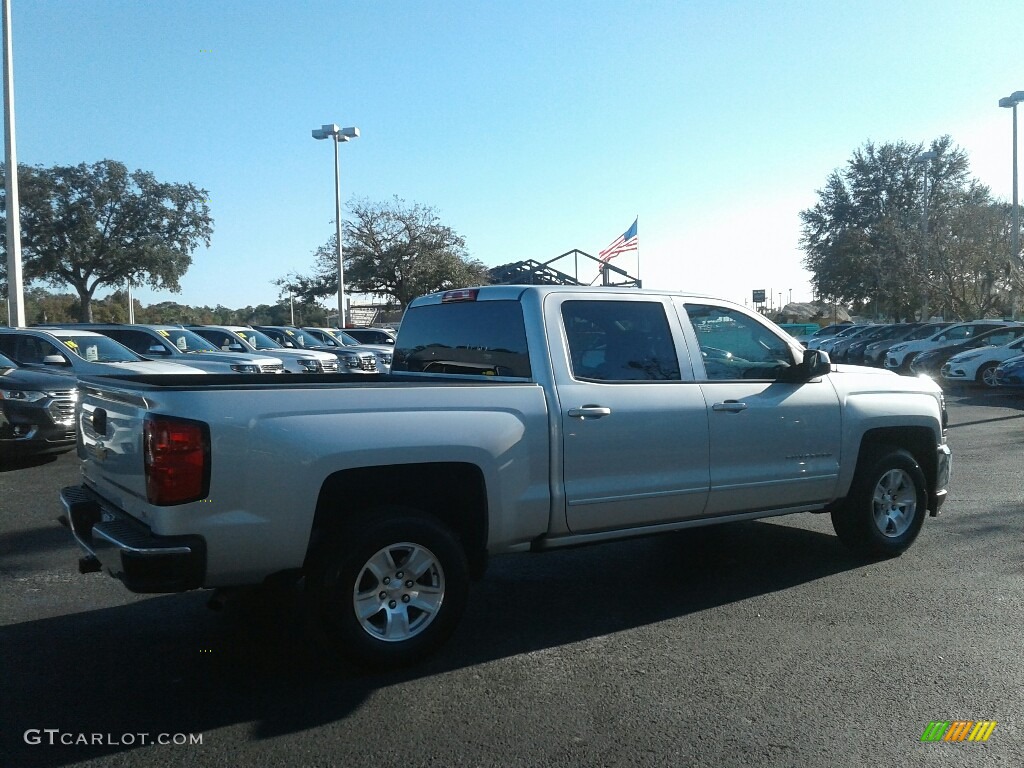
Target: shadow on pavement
x=165 y=664
x=14 y=463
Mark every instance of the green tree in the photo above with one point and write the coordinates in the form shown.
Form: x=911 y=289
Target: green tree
x=391 y=249
x=89 y=226
x=863 y=239
x=971 y=278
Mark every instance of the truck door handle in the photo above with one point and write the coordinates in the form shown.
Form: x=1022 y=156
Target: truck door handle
x=590 y=412
x=731 y=406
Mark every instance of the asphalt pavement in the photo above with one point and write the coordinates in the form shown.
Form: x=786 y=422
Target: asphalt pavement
x=752 y=644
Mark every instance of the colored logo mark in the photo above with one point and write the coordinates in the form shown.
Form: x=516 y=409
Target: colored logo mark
x=958 y=730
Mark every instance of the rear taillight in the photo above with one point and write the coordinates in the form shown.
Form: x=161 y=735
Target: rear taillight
x=177 y=454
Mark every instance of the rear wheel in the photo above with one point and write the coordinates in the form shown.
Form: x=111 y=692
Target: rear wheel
x=886 y=506
x=390 y=587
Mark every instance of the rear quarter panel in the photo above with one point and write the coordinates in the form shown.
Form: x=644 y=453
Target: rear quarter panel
x=272 y=449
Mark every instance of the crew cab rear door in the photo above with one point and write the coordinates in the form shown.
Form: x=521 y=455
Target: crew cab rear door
x=634 y=422
x=774 y=443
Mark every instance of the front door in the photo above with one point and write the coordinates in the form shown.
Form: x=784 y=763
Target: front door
x=774 y=444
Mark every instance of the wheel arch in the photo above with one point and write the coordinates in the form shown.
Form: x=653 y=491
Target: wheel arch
x=918 y=441
x=452 y=492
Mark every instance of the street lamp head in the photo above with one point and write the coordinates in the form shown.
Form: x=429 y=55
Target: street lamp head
x=1012 y=100
x=333 y=131
x=924 y=157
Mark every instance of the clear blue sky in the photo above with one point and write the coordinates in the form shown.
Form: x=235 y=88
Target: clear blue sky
x=532 y=127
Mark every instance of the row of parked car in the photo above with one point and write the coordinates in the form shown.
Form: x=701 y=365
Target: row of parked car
x=39 y=366
x=988 y=353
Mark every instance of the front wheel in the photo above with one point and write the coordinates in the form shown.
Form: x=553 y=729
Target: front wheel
x=886 y=506
x=390 y=587
x=987 y=375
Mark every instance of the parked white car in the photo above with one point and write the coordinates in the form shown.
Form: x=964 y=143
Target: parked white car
x=978 y=366
x=900 y=356
x=82 y=352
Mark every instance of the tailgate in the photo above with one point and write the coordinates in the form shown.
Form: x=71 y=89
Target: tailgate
x=110 y=425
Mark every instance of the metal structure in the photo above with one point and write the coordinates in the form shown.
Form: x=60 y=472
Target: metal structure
x=533 y=272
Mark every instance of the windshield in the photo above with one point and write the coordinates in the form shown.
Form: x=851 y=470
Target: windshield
x=326 y=338
x=99 y=349
x=258 y=339
x=925 y=331
x=302 y=338
x=186 y=340
x=336 y=338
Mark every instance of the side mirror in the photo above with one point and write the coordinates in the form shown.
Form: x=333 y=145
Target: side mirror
x=157 y=349
x=814 y=364
x=54 y=360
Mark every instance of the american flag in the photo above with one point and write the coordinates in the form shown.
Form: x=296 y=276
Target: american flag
x=627 y=241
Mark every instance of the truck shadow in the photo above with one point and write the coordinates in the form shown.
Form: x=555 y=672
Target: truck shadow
x=165 y=664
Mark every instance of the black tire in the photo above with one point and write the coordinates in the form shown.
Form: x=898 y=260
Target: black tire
x=886 y=506
x=987 y=375
x=406 y=615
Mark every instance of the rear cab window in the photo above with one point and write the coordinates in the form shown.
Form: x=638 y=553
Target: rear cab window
x=464 y=337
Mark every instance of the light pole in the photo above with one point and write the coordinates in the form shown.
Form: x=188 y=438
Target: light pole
x=1012 y=101
x=15 y=278
x=925 y=158
x=331 y=131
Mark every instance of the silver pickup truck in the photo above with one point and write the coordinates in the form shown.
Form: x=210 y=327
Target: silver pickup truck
x=515 y=419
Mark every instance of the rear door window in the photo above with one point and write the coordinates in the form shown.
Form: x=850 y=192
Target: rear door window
x=619 y=341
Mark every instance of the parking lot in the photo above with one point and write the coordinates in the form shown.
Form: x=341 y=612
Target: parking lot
x=753 y=644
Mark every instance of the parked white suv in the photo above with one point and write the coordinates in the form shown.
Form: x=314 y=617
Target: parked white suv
x=82 y=352
x=335 y=337
x=168 y=342
x=242 y=340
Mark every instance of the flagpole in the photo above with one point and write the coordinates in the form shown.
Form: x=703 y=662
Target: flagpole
x=639 y=282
